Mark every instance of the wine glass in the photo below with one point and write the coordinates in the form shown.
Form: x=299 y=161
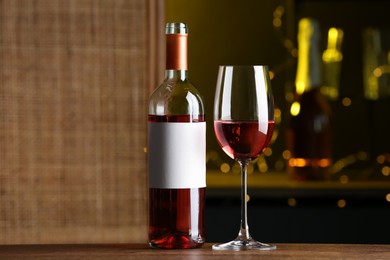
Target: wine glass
x=243 y=124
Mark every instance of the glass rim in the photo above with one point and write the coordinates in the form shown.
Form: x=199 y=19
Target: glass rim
x=243 y=66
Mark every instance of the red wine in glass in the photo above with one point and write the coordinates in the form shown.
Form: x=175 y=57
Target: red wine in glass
x=242 y=140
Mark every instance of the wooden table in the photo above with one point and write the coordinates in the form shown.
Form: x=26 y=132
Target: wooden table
x=141 y=251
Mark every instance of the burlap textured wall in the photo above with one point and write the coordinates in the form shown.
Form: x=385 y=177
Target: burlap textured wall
x=75 y=76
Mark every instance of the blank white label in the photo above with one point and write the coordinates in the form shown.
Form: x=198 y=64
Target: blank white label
x=177 y=155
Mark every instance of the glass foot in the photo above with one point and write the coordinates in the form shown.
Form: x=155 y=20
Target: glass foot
x=243 y=245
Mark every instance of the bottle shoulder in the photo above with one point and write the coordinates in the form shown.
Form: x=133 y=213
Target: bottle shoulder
x=176 y=97
x=175 y=87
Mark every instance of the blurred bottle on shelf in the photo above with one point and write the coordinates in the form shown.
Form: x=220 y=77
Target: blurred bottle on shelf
x=331 y=60
x=309 y=131
x=376 y=63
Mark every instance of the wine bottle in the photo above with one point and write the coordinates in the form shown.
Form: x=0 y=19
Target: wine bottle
x=309 y=132
x=176 y=152
x=332 y=58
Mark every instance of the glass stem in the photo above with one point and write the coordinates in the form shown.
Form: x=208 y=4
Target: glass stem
x=244 y=235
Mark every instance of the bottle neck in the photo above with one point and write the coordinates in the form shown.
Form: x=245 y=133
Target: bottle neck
x=176 y=74
x=308 y=68
x=176 y=52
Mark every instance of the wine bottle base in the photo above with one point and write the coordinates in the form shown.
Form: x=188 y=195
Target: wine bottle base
x=176 y=241
x=304 y=169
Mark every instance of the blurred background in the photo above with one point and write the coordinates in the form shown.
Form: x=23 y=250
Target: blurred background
x=352 y=204
x=75 y=81
x=257 y=33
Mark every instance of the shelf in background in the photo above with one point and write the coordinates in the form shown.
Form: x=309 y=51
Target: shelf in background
x=279 y=185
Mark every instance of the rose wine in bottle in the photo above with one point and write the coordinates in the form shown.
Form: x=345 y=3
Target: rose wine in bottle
x=176 y=152
x=309 y=132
